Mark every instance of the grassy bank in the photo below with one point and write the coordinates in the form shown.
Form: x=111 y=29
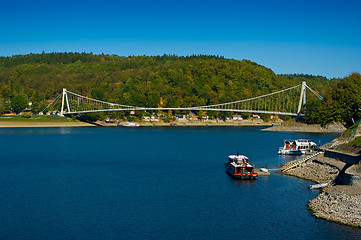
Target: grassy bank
x=36 y=118
x=40 y=121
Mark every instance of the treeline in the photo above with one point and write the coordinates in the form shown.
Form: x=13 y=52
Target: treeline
x=315 y=81
x=341 y=103
x=67 y=58
x=149 y=81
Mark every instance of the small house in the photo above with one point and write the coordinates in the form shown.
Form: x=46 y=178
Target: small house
x=193 y=117
x=205 y=116
x=237 y=118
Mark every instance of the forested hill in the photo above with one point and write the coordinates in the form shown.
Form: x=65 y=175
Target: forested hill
x=150 y=81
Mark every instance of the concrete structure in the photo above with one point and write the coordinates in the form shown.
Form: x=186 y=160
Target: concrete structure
x=352 y=177
x=350 y=158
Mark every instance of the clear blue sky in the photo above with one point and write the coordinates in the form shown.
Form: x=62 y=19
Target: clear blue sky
x=294 y=36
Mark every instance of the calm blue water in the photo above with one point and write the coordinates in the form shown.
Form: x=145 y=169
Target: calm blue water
x=151 y=183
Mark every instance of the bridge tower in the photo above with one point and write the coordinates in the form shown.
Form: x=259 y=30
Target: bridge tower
x=63 y=99
x=302 y=97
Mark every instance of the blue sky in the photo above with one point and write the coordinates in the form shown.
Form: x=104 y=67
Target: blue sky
x=311 y=37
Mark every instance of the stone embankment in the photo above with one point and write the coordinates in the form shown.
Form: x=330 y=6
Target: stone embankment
x=338 y=202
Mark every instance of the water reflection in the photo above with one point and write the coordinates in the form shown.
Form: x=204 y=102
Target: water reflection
x=248 y=183
x=44 y=130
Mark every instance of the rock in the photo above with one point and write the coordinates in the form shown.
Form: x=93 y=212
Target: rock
x=340 y=203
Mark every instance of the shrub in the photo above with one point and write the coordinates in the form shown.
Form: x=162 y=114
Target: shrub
x=26 y=115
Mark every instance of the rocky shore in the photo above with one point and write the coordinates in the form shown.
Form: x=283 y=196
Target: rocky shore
x=278 y=125
x=301 y=127
x=198 y=123
x=318 y=169
x=338 y=202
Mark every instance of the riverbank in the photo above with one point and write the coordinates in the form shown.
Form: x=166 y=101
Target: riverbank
x=279 y=125
x=198 y=123
x=293 y=126
x=337 y=202
x=40 y=121
x=5 y=124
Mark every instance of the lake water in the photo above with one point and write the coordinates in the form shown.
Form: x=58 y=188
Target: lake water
x=152 y=183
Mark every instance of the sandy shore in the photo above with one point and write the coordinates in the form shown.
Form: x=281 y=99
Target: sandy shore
x=7 y=124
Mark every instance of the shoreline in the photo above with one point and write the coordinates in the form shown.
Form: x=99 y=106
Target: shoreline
x=275 y=125
x=193 y=124
x=337 y=202
x=312 y=128
x=24 y=124
x=267 y=126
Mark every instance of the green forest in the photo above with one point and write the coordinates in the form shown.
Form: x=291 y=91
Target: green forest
x=164 y=81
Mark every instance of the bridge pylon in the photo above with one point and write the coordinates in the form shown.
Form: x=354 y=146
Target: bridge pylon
x=302 y=98
x=63 y=99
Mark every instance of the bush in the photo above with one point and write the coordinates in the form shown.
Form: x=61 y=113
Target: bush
x=166 y=119
x=246 y=115
x=131 y=119
x=26 y=115
x=265 y=117
x=285 y=117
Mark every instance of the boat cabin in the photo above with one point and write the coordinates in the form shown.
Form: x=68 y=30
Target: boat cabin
x=239 y=167
x=299 y=146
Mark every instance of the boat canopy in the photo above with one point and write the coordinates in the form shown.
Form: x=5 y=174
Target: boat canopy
x=238 y=157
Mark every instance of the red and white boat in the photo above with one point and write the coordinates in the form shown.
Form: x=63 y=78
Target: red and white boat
x=298 y=147
x=238 y=167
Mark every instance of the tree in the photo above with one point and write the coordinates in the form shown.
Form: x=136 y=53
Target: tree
x=312 y=112
x=36 y=107
x=98 y=93
x=89 y=117
x=342 y=101
x=3 y=106
x=19 y=102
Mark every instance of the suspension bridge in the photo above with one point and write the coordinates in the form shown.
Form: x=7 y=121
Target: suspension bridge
x=288 y=101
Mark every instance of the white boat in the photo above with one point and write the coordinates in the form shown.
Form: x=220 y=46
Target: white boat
x=238 y=167
x=298 y=147
x=128 y=124
x=316 y=186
